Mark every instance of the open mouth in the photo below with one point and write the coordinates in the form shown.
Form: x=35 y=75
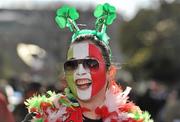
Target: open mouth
x=83 y=84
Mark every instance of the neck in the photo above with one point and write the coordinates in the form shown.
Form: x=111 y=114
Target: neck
x=93 y=103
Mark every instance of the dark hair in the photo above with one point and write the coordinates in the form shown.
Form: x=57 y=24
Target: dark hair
x=104 y=49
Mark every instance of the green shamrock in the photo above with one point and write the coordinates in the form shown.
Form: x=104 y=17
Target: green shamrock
x=66 y=16
x=105 y=13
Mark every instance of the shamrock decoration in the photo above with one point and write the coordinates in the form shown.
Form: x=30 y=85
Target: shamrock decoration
x=105 y=14
x=66 y=16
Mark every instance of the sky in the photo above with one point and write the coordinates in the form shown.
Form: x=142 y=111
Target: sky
x=127 y=8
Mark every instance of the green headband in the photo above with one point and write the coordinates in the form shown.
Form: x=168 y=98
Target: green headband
x=105 y=15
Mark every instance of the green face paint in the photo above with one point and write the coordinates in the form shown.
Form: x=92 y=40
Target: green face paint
x=70 y=75
x=71 y=83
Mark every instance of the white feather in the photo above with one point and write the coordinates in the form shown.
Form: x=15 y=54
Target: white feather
x=114 y=98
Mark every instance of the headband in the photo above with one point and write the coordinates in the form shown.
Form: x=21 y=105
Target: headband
x=105 y=15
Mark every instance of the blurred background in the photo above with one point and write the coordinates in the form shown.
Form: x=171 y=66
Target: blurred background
x=145 y=43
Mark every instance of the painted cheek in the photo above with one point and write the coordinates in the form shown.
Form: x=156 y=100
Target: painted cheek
x=71 y=83
x=98 y=77
x=70 y=75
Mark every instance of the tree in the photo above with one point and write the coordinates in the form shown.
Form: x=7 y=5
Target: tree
x=151 y=43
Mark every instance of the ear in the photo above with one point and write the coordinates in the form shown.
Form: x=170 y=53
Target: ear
x=111 y=73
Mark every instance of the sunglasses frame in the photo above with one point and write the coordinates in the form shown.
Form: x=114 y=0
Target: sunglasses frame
x=80 y=61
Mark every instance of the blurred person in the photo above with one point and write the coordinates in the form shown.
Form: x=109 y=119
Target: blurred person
x=92 y=94
x=15 y=83
x=170 y=112
x=57 y=86
x=5 y=114
x=31 y=89
x=154 y=99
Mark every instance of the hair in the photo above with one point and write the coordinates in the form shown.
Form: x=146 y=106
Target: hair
x=104 y=49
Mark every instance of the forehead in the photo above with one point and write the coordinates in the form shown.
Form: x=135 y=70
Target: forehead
x=81 y=50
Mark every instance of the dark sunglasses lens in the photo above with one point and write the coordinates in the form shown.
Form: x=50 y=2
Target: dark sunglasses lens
x=91 y=64
x=70 y=65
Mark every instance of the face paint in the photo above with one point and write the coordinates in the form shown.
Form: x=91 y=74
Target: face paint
x=98 y=78
x=70 y=75
x=86 y=83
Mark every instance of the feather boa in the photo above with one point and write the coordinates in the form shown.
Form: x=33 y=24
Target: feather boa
x=50 y=108
x=116 y=108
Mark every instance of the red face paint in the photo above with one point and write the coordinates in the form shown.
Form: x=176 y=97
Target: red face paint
x=99 y=77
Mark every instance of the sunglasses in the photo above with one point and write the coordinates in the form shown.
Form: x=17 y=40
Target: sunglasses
x=90 y=64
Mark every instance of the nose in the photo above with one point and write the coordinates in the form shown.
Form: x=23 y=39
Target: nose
x=80 y=70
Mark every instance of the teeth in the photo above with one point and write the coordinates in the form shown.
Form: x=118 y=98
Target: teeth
x=82 y=82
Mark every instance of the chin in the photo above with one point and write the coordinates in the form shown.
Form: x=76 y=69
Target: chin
x=84 y=94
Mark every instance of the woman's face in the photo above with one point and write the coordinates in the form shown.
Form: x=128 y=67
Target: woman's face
x=85 y=70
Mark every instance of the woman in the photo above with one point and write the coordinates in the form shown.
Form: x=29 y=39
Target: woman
x=92 y=94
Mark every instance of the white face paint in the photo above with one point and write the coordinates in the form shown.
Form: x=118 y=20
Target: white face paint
x=83 y=83
x=82 y=76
